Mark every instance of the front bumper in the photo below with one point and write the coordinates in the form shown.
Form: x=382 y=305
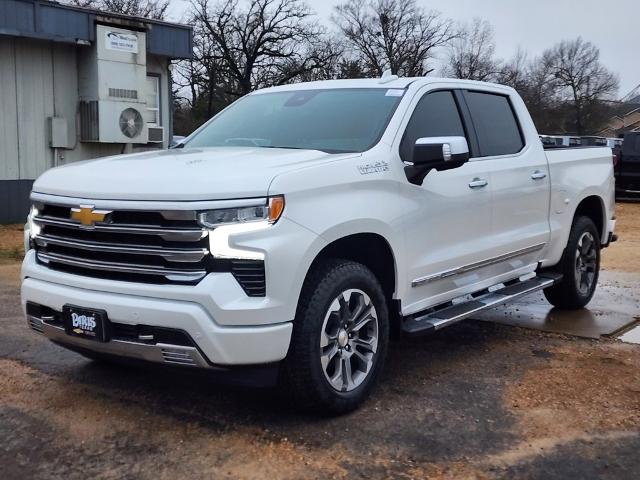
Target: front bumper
x=214 y=345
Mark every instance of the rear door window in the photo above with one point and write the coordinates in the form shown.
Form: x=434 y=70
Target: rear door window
x=495 y=124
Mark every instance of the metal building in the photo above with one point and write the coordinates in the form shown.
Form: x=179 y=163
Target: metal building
x=75 y=84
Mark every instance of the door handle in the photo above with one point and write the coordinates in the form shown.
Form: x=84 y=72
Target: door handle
x=538 y=175
x=478 y=183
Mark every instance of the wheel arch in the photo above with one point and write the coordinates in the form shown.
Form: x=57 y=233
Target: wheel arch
x=592 y=206
x=368 y=248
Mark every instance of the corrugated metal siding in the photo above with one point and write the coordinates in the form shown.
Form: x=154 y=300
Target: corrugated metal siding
x=34 y=76
x=66 y=87
x=9 y=158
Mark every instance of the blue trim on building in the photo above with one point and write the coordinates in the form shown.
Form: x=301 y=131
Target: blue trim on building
x=65 y=23
x=14 y=200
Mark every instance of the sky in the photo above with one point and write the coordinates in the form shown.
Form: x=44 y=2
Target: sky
x=536 y=25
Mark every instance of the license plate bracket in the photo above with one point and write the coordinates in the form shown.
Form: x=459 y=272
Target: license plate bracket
x=88 y=323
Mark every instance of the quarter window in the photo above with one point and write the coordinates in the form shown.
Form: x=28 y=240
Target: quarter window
x=435 y=115
x=495 y=124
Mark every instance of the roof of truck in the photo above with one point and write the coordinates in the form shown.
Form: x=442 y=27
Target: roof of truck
x=389 y=83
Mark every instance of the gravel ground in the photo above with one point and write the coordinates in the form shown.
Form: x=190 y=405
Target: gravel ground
x=477 y=400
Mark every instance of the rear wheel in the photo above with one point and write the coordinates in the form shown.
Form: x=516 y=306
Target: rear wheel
x=579 y=266
x=339 y=340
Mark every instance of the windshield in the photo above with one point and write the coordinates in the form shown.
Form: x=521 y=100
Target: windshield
x=334 y=121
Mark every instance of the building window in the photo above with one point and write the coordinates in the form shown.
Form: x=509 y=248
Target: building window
x=153 y=101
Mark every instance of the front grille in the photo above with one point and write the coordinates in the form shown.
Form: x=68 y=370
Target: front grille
x=129 y=245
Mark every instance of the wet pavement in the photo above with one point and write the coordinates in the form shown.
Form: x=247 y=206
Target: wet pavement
x=478 y=400
x=614 y=310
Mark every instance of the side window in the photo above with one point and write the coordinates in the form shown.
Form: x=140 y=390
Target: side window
x=153 y=100
x=495 y=124
x=435 y=115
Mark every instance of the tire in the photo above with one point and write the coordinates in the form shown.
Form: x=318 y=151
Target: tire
x=579 y=266
x=331 y=369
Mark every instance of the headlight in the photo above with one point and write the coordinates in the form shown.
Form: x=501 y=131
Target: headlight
x=30 y=229
x=229 y=221
x=269 y=212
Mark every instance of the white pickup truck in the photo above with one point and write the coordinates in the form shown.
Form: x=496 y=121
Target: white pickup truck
x=291 y=234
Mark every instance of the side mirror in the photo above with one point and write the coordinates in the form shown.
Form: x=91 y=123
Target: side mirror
x=436 y=153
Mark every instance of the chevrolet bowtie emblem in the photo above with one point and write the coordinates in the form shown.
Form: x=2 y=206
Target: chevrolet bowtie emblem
x=87 y=216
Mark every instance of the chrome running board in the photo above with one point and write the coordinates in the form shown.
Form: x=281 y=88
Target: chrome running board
x=452 y=312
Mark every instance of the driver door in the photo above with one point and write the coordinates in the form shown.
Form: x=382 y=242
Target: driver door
x=448 y=231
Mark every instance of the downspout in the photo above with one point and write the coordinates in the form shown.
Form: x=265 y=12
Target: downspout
x=171 y=105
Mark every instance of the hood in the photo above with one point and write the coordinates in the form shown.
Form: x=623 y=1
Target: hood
x=215 y=173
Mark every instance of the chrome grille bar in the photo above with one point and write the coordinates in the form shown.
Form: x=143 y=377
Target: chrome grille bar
x=171 y=274
x=173 y=255
x=169 y=234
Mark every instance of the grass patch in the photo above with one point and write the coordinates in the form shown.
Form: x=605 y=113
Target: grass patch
x=11 y=243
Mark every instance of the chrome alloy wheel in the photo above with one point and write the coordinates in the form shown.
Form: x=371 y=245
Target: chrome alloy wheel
x=349 y=340
x=585 y=263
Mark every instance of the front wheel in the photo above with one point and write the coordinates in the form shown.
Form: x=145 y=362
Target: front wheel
x=579 y=266
x=339 y=340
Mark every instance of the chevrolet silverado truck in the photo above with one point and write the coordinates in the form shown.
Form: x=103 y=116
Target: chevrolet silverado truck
x=291 y=235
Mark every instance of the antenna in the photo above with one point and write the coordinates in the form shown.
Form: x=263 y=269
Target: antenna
x=387 y=77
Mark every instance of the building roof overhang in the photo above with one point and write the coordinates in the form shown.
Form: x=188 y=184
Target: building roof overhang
x=52 y=21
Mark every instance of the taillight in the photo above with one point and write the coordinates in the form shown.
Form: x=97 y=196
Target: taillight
x=616 y=159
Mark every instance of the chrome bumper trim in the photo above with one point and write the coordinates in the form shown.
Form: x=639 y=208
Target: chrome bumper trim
x=166 y=354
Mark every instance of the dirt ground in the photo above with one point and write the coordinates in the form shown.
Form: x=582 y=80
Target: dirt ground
x=625 y=253
x=478 y=400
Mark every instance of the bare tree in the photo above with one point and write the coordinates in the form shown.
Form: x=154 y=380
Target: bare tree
x=392 y=34
x=514 y=72
x=472 y=54
x=582 y=80
x=270 y=42
x=155 y=9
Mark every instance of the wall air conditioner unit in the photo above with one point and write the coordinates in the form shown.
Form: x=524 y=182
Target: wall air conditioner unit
x=112 y=122
x=112 y=82
x=156 y=134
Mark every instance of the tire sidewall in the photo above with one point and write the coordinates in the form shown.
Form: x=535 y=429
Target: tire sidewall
x=312 y=318
x=581 y=226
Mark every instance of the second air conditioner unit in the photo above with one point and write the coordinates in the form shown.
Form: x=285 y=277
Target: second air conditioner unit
x=156 y=134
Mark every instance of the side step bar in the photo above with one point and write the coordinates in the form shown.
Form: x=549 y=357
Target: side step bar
x=438 y=318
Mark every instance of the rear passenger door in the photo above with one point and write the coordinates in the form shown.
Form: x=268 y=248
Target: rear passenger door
x=520 y=181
